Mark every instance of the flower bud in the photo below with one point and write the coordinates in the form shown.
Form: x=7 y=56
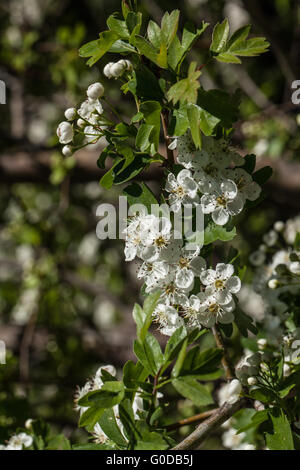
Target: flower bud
x=67 y=150
x=70 y=114
x=295 y=267
x=273 y=284
x=107 y=70
x=262 y=343
x=252 y=381
x=95 y=91
x=117 y=69
x=65 y=132
x=81 y=123
x=279 y=226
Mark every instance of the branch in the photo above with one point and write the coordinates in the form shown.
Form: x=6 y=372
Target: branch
x=197 y=437
x=227 y=366
x=168 y=141
x=192 y=420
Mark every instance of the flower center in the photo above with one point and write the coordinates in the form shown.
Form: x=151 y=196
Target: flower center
x=161 y=241
x=213 y=308
x=170 y=289
x=183 y=263
x=219 y=284
x=179 y=191
x=222 y=201
x=240 y=183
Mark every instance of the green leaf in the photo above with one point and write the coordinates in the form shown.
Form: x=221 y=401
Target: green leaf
x=154 y=34
x=133 y=373
x=169 y=26
x=127 y=419
x=151 y=441
x=180 y=360
x=281 y=438
x=177 y=51
x=203 y=364
x=91 y=416
x=249 y=163
x=149 y=354
x=174 y=344
x=140 y=194
x=238 y=45
x=261 y=176
x=151 y=111
x=146 y=48
x=215 y=232
x=258 y=418
x=110 y=394
x=220 y=104
x=118 y=26
x=59 y=442
x=96 y=49
x=120 y=47
x=110 y=427
x=220 y=36
x=193 y=113
x=186 y=90
x=193 y=390
x=143 y=138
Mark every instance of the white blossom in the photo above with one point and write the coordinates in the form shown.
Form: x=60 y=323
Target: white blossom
x=183 y=189
x=223 y=202
x=221 y=282
x=65 y=132
x=214 y=311
x=95 y=91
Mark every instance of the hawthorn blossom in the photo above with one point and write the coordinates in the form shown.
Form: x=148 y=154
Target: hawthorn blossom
x=95 y=91
x=153 y=272
x=171 y=294
x=214 y=311
x=189 y=265
x=221 y=282
x=65 y=132
x=19 y=441
x=223 y=202
x=183 y=189
x=247 y=188
x=230 y=392
x=168 y=319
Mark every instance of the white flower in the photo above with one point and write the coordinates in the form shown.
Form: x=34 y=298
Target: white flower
x=70 y=114
x=90 y=110
x=65 y=132
x=247 y=188
x=213 y=310
x=183 y=189
x=171 y=294
x=153 y=272
x=223 y=202
x=187 y=266
x=191 y=311
x=17 y=441
x=95 y=91
x=67 y=150
x=230 y=392
x=107 y=70
x=168 y=319
x=221 y=282
x=279 y=226
x=79 y=393
x=232 y=440
x=155 y=236
x=134 y=234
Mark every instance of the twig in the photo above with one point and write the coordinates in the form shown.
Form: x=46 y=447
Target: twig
x=168 y=141
x=192 y=420
x=229 y=371
x=25 y=347
x=197 y=437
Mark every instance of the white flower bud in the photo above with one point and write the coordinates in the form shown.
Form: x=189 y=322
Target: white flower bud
x=273 y=284
x=28 y=423
x=118 y=68
x=95 y=91
x=67 y=150
x=279 y=226
x=257 y=258
x=107 y=70
x=81 y=123
x=252 y=381
x=70 y=114
x=270 y=238
x=65 y=132
x=262 y=343
x=263 y=248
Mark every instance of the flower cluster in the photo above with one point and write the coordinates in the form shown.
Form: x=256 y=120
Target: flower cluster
x=117 y=69
x=216 y=174
x=168 y=263
x=18 y=442
x=84 y=125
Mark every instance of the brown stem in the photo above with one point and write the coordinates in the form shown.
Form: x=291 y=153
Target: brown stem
x=25 y=347
x=229 y=370
x=170 y=154
x=197 y=437
x=192 y=420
